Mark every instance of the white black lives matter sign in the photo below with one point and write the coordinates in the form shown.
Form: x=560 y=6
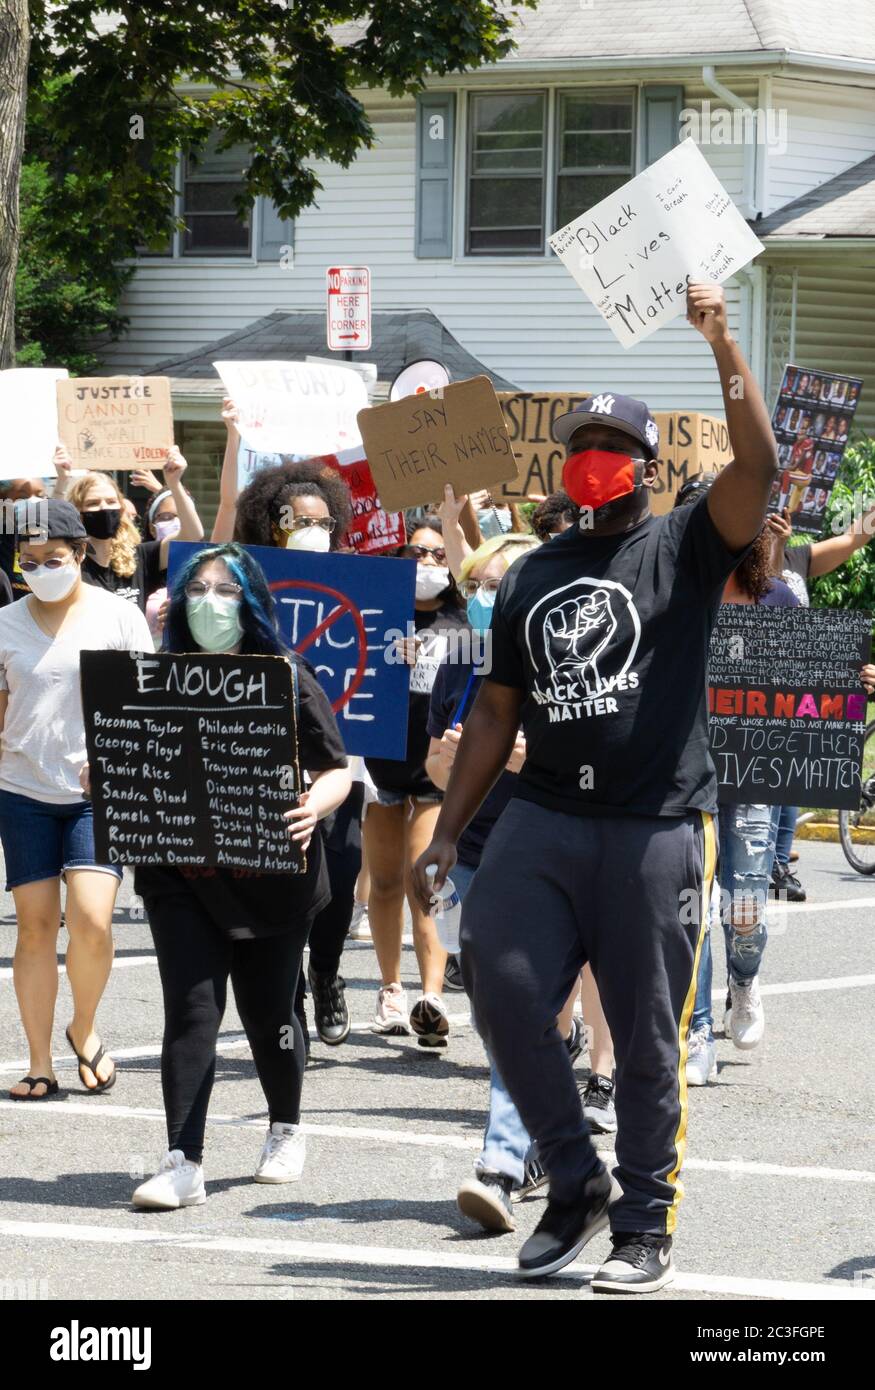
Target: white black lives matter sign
x=193 y=759
x=635 y=252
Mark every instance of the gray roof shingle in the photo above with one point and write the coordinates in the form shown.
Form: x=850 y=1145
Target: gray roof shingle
x=399 y=336
x=841 y=207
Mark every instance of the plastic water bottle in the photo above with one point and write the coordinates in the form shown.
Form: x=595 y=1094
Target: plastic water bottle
x=446 y=912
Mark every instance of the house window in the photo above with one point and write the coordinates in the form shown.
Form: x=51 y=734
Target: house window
x=506 y=173
x=595 y=149
x=211 y=181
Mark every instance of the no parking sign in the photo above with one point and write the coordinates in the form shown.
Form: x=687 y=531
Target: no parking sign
x=336 y=611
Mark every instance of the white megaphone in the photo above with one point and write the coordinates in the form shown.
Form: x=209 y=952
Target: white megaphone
x=422 y=375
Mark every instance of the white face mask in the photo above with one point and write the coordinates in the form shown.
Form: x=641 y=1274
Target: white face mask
x=431 y=581
x=166 y=530
x=50 y=586
x=309 y=538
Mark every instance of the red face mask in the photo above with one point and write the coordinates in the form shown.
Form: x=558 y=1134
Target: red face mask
x=593 y=477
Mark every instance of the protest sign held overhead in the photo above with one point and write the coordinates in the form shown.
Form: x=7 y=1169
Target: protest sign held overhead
x=111 y=422
x=29 y=411
x=636 y=251
x=787 y=711
x=193 y=759
x=295 y=407
x=529 y=416
x=454 y=435
x=335 y=610
x=812 y=420
x=372 y=530
x=689 y=444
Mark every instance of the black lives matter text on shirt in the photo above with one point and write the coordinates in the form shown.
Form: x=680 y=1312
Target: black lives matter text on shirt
x=193 y=758
x=787 y=711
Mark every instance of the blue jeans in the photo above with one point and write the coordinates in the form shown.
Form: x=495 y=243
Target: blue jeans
x=43 y=839
x=783 y=830
x=506 y=1140
x=747 y=849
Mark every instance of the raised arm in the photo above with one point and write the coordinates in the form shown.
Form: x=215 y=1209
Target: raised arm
x=827 y=555
x=738 y=500
x=226 y=516
x=486 y=745
x=455 y=544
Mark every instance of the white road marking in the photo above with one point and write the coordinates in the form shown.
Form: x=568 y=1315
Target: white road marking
x=389 y=1257
x=119 y=964
x=409 y=1138
x=810 y=986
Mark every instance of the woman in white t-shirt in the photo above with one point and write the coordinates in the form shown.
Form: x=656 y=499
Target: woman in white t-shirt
x=46 y=825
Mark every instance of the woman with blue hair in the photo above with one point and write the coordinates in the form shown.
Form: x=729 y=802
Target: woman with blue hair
x=210 y=924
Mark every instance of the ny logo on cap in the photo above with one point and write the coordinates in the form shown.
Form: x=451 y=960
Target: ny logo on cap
x=603 y=404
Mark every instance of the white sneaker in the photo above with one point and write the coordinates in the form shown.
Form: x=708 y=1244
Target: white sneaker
x=745 y=1020
x=283 y=1154
x=391 y=1016
x=359 y=927
x=177 y=1183
x=428 y=1019
x=701 y=1058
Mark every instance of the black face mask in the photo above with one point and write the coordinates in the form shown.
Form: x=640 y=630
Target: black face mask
x=102 y=525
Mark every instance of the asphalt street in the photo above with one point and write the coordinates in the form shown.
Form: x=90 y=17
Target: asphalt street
x=779 y=1177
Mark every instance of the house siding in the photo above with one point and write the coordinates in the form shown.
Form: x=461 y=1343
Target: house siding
x=829 y=129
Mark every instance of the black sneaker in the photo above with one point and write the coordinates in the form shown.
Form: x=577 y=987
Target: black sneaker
x=639 y=1264
x=486 y=1200
x=330 y=1007
x=575 y=1040
x=534 y=1175
x=786 y=885
x=597 y=1099
x=566 y=1227
x=453 y=976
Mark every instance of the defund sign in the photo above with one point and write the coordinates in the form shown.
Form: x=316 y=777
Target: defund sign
x=343 y=614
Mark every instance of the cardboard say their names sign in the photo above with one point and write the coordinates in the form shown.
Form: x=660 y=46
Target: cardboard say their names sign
x=299 y=408
x=193 y=759
x=453 y=435
x=689 y=444
x=787 y=710
x=115 y=421
x=635 y=252
x=29 y=413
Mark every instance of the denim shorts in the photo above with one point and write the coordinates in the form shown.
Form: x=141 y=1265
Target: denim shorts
x=387 y=798
x=43 y=838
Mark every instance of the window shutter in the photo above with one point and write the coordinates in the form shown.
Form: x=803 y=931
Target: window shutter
x=660 y=121
x=273 y=232
x=435 y=141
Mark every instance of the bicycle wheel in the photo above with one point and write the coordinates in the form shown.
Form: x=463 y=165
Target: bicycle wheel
x=857 y=828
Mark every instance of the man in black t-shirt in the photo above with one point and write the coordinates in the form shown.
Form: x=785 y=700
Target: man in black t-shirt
x=607 y=851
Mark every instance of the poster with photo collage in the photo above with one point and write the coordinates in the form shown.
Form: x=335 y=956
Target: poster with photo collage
x=812 y=422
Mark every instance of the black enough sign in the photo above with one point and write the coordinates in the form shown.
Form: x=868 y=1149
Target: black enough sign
x=787 y=711
x=193 y=759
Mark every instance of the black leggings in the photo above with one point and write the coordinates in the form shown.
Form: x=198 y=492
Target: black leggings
x=342 y=842
x=195 y=959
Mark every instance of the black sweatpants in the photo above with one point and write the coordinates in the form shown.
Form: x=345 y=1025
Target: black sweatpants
x=342 y=842
x=195 y=960
x=630 y=895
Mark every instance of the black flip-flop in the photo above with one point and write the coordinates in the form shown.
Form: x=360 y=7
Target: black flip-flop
x=51 y=1088
x=92 y=1066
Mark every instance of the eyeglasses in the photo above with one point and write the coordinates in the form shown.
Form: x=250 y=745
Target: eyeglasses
x=197 y=588
x=470 y=587
x=56 y=562
x=419 y=552
x=303 y=523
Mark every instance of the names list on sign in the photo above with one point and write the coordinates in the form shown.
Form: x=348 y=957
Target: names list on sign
x=193 y=759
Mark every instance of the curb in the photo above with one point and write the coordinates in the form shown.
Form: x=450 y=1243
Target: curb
x=826 y=831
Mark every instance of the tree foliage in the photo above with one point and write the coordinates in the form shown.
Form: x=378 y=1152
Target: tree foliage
x=853 y=584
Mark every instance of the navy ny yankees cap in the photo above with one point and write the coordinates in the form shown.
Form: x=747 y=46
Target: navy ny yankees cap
x=622 y=412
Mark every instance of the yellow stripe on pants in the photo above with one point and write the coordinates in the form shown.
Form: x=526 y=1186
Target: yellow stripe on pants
x=680 y=1139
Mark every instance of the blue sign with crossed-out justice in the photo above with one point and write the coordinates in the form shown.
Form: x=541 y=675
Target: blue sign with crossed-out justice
x=343 y=614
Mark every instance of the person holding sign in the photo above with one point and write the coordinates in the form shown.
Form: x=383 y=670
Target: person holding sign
x=212 y=924
x=45 y=825
x=599 y=647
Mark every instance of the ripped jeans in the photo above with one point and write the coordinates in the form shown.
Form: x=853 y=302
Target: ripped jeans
x=747 y=849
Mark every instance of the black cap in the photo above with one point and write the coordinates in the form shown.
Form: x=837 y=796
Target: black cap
x=48 y=519
x=619 y=412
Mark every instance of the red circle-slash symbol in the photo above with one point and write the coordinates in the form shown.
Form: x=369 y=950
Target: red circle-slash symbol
x=345 y=605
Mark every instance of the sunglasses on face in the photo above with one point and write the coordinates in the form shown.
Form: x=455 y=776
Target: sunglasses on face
x=419 y=552
x=55 y=562
x=197 y=588
x=303 y=523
